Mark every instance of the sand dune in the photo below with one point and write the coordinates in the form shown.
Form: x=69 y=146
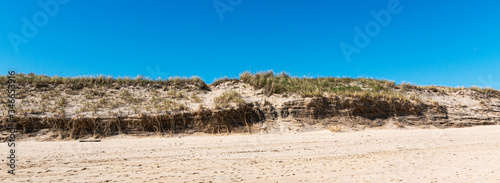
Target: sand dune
x=432 y=155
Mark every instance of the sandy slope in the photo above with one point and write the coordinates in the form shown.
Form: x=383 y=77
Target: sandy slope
x=436 y=155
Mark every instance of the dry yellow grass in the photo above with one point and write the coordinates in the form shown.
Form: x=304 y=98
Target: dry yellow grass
x=226 y=98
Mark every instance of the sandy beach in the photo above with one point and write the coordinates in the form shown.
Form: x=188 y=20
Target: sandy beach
x=385 y=155
x=227 y=91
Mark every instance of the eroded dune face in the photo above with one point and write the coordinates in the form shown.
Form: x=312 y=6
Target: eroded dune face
x=75 y=108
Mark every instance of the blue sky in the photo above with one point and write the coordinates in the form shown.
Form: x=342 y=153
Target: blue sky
x=451 y=43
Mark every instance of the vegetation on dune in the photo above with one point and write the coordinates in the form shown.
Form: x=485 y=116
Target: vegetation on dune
x=223 y=80
x=489 y=92
x=283 y=83
x=121 y=93
x=195 y=98
x=77 y=83
x=226 y=98
x=269 y=81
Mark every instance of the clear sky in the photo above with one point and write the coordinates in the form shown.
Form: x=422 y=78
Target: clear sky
x=451 y=43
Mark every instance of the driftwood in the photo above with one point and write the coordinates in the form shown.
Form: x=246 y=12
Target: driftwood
x=90 y=140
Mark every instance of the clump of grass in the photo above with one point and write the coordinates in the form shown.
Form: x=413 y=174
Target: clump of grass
x=223 y=80
x=128 y=97
x=201 y=107
x=136 y=109
x=168 y=103
x=71 y=92
x=405 y=86
x=174 y=94
x=94 y=93
x=155 y=100
x=86 y=107
x=415 y=98
x=125 y=95
x=94 y=109
x=433 y=102
x=346 y=89
x=180 y=95
x=22 y=93
x=433 y=88
x=53 y=109
x=45 y=96
x=62 y=112
x=483 y=104
x=61 y=102
x=486 y=91
x=195 y=98
x=181 y=107
x=226 y=98
x=44 y=108
x=114 y=104
x=154 y=93
x=102 y=102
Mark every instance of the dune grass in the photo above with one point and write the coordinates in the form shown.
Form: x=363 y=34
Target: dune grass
x=283 y=83
x=78 y=83
x=225 y=99
x=223 y=80
x=489 y=92
x=177 y=88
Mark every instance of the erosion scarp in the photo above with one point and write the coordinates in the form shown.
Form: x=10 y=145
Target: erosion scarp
x=77 y=108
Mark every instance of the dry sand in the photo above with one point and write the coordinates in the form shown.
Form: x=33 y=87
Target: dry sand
x=431 y=155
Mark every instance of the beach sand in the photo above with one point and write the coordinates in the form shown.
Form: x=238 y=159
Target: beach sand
x=382 y=155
